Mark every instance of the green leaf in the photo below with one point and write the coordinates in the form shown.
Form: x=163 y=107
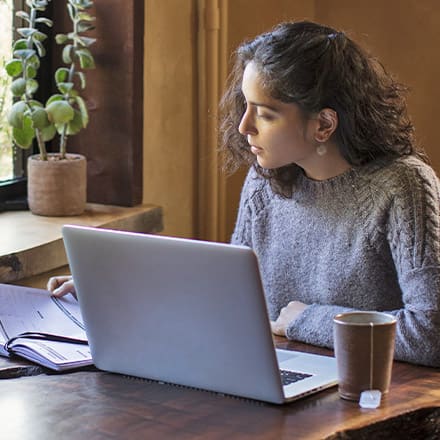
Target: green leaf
x=18 y=87
x=31 y=72
x=82 y=79
x=82 y=4
x=61 y=74
x=31 y=86
x=44 y=20
x=26 y=31
x=39 y=118
x=48 y=133
x=84 y=26
x=84 y=16
x=86 y=60
x=67 y=54
x=65 y=87
x=40 y=5
x=20 y=44
x=60 y=112
x=23 y=15
x=34 y=61
x=60 y=128
x=24 y=53
x=86 y=41
x=76 y=124
x=24 y=136
x=16 y=114
x=71 y=11
x=61 y=38
x=83 y=110
x=53 y=98
x=39 y=36
x=35 y=104
x=40 y=48
x=14 y=67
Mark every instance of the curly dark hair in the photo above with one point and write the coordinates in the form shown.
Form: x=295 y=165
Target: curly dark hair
x=316 y=67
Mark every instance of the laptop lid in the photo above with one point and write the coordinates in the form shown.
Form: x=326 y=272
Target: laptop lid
x=176 y=310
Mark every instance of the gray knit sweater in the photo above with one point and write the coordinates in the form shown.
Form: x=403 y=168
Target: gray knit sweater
x=368 y=239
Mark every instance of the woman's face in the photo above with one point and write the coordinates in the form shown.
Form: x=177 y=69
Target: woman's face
x=277 y=132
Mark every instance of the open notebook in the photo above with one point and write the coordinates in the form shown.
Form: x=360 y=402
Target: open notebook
x=186 y=312
x=42 y=328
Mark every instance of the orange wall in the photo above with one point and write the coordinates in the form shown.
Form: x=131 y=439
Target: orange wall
x=170 y=116
x=405 y=36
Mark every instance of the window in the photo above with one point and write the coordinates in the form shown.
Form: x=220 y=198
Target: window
x=12 y=159
x=6 y=152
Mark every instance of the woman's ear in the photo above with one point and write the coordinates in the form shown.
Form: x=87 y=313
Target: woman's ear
x=327 y=124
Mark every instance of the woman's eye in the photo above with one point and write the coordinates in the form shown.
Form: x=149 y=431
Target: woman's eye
x=264 y=116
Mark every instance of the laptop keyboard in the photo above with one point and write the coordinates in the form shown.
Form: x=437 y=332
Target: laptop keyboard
x=288 y=377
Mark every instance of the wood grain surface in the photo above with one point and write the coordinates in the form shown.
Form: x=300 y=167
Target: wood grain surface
x=98 y=405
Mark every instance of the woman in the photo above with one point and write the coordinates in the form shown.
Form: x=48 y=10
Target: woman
x=339 y=205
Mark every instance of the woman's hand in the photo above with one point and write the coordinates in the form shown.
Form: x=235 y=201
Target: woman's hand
x=287 y=315
x=61 y=285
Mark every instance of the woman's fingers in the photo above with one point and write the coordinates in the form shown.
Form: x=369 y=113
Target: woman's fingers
x=61 y=285
x=55 y=282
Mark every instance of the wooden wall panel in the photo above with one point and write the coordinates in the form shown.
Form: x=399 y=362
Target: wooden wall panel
x=405 y=35
x=170 y=113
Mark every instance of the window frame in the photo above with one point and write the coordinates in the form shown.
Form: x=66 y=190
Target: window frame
x=15 y=189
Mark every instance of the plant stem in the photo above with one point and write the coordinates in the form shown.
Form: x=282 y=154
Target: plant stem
x=63 y=140
x=41 y=145
x=40 y=142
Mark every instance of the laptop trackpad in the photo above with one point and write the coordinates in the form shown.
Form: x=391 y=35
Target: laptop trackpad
x=285 y=355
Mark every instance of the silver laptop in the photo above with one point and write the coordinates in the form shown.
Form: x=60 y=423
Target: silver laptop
x=187 y=312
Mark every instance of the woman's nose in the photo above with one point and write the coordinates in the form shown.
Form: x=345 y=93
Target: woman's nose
x=246 y=125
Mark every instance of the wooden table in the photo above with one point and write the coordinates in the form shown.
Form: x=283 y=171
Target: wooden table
x=92 y=405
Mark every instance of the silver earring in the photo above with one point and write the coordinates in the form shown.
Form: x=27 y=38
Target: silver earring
x=321 y=149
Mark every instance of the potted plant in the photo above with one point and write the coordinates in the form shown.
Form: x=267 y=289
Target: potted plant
x=56 y=181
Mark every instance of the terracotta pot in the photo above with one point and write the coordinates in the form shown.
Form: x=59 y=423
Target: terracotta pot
x=57 y=187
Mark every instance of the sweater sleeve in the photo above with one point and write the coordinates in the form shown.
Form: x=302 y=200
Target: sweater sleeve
x=414 y=237
x=413 y=234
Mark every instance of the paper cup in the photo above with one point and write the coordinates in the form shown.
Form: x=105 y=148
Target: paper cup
x=364 y=351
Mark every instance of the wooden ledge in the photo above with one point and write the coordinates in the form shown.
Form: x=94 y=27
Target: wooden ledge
x=31 y=244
